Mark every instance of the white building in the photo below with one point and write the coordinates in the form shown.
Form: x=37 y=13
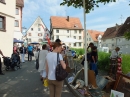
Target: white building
x=94 y=37
x=65 y=28
x=114 y=37
x=18 y=20
x=7 y=17
x=37 y=32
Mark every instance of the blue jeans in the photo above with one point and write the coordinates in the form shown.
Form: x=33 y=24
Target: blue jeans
x=93 y=66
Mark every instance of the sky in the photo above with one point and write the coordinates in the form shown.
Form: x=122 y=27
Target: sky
x=100 y=19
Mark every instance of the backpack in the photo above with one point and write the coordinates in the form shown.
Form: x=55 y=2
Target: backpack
x=60 y=73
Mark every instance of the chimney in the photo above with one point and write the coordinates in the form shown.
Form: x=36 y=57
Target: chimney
x=68 y=18
x=117 y=26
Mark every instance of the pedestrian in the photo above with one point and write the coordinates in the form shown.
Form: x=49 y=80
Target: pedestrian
x=1 y=73
x=113 y=62
x=42 y=57
x=91 y=45
x=55 y=86
x=30 y=52
x=22 y=52
x=94 y=60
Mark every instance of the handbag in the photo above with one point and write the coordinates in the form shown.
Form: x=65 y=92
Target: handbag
x=37 y=61
x=60 y=73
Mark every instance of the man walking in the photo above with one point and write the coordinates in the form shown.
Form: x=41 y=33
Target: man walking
x=30 y=52
x=22 y=52
x=1 y=63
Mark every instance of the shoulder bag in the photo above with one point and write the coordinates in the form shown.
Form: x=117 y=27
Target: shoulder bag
x=37 y=61
x=60 y=73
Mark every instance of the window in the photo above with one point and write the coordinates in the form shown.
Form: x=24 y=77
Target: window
x=39 y=29
x=106 y=45
x=67 y=36
x=29 y=34
x=112 y=44
x=87 y=33
x=57 y=37
x=57 y=31
x=74 y=37
x=74 y=44
x=39 y=34
x=79 y=44
x=2 y=23
x=39 y=40
x=16 y=23
x=79 y=37
x=31 y=29
x=2 y=1
x=112 y=39
x=29 y=40
x=67 y=31
x=89 y=39
x=119 y=39
x=17 y=11
x=79 y=31
x=75 y=31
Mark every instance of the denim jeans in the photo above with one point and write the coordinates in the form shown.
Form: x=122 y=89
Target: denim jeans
x=93 y=66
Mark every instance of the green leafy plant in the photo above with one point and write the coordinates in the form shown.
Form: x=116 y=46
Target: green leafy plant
x=127 y=35
x=90 y=4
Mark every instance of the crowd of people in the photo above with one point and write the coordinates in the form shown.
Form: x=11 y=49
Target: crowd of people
x=47 y=58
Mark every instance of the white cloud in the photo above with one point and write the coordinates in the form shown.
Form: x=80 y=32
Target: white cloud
x=97 y=20
x=53 y=7
x=101 y=27
x=117 y=2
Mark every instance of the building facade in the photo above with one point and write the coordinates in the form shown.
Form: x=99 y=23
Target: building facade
x=37 y=32
x=7 y=17
x=18 y=20
x=114 y=37
x=65 y=28
x=94 y=37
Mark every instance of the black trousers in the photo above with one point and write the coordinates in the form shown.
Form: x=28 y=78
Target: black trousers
x=0 y=66
x=29 y=56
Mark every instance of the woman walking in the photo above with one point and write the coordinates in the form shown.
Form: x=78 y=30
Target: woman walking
x=42 y=57
x=23 y=52
x=55 y=86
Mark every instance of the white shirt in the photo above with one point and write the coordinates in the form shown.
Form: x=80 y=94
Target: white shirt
x=52 y=63
x=42 y=58
x=114 y=54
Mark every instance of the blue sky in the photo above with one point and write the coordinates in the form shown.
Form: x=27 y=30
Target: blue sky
x=99 y=19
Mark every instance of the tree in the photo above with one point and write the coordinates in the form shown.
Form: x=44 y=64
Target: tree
x=127 y=35
x=90 y=4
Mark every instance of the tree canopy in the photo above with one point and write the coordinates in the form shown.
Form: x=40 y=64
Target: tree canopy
x=90 y=4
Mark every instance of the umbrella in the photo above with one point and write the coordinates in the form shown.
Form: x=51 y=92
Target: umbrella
x=17 y=41
x=70 y=40
x=34 y=43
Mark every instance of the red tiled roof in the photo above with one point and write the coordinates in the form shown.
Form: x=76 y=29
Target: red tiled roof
x=94 y=34
x=20 y=3
x=63 y=23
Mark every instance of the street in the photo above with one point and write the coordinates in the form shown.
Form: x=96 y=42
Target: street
x=25 y=82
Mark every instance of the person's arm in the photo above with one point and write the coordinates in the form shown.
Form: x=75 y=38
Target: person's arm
x=47 y=69
x=62 y=62
x=88 y=48
x=1 y=53
x=93 y=56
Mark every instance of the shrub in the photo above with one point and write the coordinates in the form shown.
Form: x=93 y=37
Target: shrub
x=103 y=62
x=79 y=51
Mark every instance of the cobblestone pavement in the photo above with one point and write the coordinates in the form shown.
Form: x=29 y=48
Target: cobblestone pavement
x=25 y=82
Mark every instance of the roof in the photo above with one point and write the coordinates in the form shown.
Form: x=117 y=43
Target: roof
x=118 y=30
x=94 y=34
x=34 y=22
x=20 y=3
x=63 y=23
x=125 y=27
x=111 y=32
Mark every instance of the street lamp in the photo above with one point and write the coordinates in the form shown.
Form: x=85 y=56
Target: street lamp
x=85 y=62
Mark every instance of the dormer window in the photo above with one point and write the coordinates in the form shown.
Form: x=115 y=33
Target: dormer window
x=75 y=26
